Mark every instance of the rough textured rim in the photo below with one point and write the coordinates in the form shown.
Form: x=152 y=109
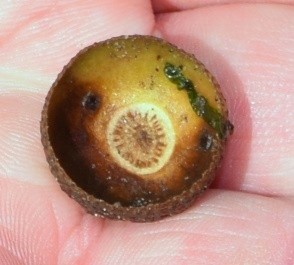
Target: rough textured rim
x=149 y=213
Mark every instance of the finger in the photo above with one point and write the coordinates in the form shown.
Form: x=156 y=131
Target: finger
x=38 y=38
x=21 y=152
x=249 y=50
x=163 y=6
x=221 y=228
x=33 y=227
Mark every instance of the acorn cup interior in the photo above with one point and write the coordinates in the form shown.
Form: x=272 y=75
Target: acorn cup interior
x=134 y=128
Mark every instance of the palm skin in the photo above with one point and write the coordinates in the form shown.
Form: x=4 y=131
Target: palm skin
x=247 y=217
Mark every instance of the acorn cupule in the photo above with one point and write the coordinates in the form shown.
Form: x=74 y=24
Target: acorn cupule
x=134 y=128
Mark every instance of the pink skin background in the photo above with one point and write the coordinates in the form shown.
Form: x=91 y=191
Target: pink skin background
x=247 y=217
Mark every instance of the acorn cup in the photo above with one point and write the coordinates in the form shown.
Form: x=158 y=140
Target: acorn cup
x=134 y=128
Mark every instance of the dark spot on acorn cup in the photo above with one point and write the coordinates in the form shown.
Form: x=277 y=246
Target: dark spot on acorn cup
x=206 y=141
x=90 y=101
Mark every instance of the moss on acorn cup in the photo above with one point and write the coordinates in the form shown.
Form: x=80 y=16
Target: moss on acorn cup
x=134 y=128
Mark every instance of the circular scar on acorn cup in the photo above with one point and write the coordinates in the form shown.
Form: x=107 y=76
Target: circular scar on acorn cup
x=134 y=128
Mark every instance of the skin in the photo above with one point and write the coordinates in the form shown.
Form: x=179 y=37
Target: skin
x=247 y=217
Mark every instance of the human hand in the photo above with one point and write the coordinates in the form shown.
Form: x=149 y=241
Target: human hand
x=247 y=217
